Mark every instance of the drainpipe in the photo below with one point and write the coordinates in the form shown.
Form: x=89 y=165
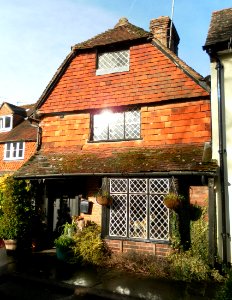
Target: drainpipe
x=39 y=131
x=222 y=151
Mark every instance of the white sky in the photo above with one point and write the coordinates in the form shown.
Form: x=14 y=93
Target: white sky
x=36 y=35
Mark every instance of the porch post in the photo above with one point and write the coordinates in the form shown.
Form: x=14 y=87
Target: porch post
x=212 y=222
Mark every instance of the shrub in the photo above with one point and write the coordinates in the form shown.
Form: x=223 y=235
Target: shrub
x=16 y=209
x=135 y=262
x=226 y=292
x=89 y=247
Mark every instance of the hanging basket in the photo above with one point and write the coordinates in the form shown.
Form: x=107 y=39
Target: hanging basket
x=104 y=200
x=103 y=196
x=172 y=201
x=195 y=212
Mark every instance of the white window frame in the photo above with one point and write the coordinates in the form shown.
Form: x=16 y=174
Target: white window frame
x=155 y=224
x=125 y=68
x=12 y=151
x=3 y=123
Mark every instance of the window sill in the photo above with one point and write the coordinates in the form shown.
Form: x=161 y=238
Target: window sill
x=112 y=70
x=113 y=141
x=13 y=159
x=137 y=240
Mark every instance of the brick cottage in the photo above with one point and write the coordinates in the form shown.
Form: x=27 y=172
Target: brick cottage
x=123 y=111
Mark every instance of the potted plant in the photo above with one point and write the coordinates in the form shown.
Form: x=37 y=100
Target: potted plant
x=173 y=200
x=64 y=244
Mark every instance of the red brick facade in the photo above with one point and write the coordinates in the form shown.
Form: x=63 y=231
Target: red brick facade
x=13 y=165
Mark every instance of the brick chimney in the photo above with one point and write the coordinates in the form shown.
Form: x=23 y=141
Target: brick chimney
x=160 y=28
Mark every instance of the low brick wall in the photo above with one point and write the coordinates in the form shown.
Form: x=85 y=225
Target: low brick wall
x=121 y=246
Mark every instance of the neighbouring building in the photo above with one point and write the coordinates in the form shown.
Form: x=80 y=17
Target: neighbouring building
x=219 y=47
x=18 y=138
x=124 y=111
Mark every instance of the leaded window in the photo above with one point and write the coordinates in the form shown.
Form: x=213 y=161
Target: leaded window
x=111 y=126
x=14 y=150
x=137 y=210
x=111 y=62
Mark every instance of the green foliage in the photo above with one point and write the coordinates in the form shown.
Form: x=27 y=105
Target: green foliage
x=16 y=208
x=64 y=242
x=192 y=265
x=226 y=292
x=175 y=231
x=89 y=247
x=199 y=237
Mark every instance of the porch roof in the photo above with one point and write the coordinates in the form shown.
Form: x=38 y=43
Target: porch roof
x=148 y=161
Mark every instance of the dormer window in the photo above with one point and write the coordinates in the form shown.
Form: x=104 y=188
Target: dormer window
x=5 y=123
x=112 y=62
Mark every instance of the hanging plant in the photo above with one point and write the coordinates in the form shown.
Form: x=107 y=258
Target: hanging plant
x=173 y=201
x=195 y=212
x=103 y=196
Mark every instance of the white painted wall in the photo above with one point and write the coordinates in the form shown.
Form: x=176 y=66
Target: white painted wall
x=226 y=60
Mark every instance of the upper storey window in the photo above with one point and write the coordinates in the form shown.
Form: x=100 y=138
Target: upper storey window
x=14 y=151
x=112 y=62
x=113 y=126
x=5 y=123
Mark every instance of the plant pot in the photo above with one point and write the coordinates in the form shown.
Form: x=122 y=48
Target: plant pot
x=104 y=200
x=195 y=212
x=172 y=201
x=10 y=245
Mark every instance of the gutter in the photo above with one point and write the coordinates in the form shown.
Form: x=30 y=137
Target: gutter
x=122 y=174
x=222 y=151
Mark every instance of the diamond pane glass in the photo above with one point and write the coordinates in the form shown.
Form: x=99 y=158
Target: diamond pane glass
x=159 y=218
x=138 y=210
x=138 y=216
x=159 y=185
x=116 y=59
x=118 y=185
x=132 y=124
x=116 y=127
x=138 y=185
x=100 y=130
x=118 y=216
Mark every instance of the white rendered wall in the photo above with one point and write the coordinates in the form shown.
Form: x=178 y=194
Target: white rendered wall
x=226 y=60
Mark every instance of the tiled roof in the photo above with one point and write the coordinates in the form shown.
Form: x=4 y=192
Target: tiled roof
x=184 y=158
x=22 y=132
x=120 y=34
x=220 y=29
x=123 y=31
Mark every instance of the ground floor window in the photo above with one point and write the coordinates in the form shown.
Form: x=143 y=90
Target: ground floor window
x=137 y=210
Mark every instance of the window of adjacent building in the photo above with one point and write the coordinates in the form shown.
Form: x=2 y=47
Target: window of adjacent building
x=137 y=210
x=5 y=123
x=111 y=62
x=112 y=126
x=14 y=150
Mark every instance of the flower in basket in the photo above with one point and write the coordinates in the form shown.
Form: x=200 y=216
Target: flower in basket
x=104 y=198
x=173 y=200
x=195 y=212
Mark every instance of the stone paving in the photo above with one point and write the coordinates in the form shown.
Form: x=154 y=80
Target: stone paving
x=44 y=269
